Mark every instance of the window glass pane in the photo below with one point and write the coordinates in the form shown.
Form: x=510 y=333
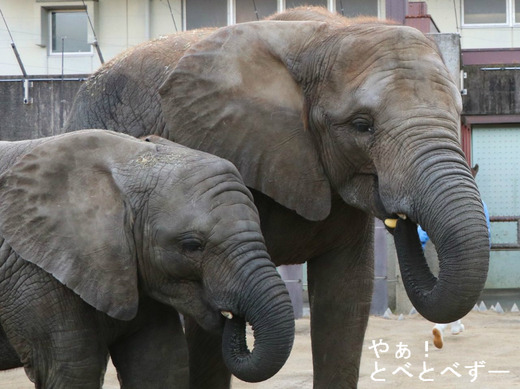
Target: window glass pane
x=245 y=9
x=73 y=27
x=204 y=13
x=517 y=11
x=298 y=3
x=356 y=7
x=484 y=11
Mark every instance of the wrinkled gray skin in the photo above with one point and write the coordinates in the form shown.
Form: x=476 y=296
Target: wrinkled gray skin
x=330 y=122
x=103 y=238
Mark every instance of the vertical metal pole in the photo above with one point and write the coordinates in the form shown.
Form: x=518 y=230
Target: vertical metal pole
x=62 y=79
x=98 y=50
x=95 y=43
x=62 y=55
x=256 y=10
x=280 y=5
x=380 y=292
x=173 y=19
x=26 y=84
x=342 y=9
x=17 y=55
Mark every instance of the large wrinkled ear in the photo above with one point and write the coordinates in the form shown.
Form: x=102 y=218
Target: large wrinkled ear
x=61 y=209
x=232 y=95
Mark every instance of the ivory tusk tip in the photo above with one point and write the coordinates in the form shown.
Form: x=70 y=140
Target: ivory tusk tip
x=402 y=216
x=227 y=314
x=391 y=223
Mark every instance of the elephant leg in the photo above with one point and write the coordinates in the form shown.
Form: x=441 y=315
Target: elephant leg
x=156 y=355
x=340 y=292
x=48 y=368
x=207 y=367
x=69 y=358
x=55 y=335
x=9 y=359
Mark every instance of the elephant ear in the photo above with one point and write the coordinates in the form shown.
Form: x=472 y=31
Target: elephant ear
x=61 y=209
x=232 y=95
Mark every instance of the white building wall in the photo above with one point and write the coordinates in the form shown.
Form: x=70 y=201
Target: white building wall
x=119 y=24
x=448 y=17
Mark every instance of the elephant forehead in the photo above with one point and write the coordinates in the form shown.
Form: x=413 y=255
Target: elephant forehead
x=395 y=79
x=200 y=180
x=384 y=51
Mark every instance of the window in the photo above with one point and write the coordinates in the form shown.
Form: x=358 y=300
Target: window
x=481 y=13
x=299 y=3
x=219 y=13
x=245 y=9
x=203 y=13
x=485 y=12
x=69 y=31
x=353 y=8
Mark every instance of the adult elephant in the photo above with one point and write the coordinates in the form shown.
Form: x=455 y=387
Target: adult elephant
x=331 y=122
x=104 y=237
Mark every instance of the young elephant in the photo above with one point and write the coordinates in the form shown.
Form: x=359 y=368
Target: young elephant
x=104 y=237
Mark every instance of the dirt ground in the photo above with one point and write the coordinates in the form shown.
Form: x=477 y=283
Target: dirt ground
x=486 y=355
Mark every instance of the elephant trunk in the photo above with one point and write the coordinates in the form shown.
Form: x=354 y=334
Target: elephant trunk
x=266 y=306
x=452 y=215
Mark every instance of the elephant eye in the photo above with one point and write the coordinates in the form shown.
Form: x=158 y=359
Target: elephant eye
x=362 y=125
x=192 y=245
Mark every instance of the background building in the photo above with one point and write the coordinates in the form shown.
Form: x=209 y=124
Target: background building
x=61 y=42
x=55 y=37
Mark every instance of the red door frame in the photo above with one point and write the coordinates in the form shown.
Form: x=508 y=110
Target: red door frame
x=465 y=132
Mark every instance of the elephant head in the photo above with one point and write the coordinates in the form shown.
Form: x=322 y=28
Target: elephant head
x=112 y=217
x=364 y=109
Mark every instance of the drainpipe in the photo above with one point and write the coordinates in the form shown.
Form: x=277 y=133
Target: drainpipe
x=280 y=5
x=231 y=17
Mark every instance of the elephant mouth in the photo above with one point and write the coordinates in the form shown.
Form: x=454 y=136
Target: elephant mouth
x=189 y=299
x=215 y=320
x=391 y=221
x=377 y=205
x=373 y=195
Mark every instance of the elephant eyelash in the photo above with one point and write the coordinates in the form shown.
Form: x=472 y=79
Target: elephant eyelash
x=192 y=244
x=363 y=125
x=192 y=247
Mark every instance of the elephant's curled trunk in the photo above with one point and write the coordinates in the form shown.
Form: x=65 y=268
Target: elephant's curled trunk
x=457 y=227
x=269 y=311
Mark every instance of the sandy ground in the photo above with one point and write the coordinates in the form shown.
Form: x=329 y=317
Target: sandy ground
x=486 y=355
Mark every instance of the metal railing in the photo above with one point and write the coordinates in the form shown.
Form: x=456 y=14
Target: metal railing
x=507 y=219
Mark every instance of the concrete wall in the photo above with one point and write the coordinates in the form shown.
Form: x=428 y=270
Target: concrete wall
x=50 y=102
x=492 y=90
x=450 y=48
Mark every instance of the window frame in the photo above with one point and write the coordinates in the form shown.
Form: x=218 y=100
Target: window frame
x=281 y=6
x=49 y=33
x=510 y=17
x=514 y=22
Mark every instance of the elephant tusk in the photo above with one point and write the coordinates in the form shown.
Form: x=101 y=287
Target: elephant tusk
x=402 y=216
x=391 y=223
x=227 y=314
